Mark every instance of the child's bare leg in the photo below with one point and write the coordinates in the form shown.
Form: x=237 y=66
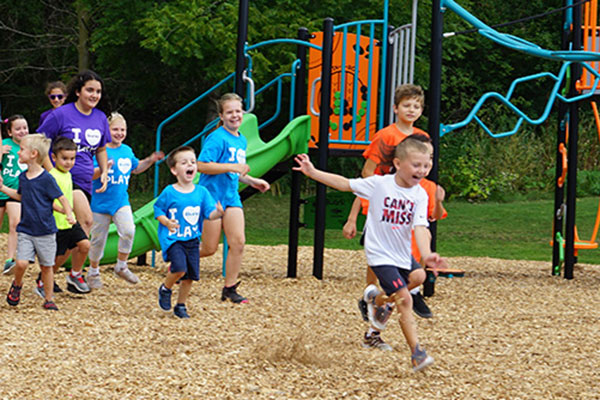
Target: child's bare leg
x=371 y=277
x=211 y=234
x=403 y=301
x=61 y=260
x=78 y=257
x=416 y=278
x=48 y=281
x=13 y=210
x=172 y=278
x=233 y=225
x=184 y=291
x=20 y=268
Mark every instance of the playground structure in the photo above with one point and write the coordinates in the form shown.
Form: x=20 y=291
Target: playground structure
x=349 y=108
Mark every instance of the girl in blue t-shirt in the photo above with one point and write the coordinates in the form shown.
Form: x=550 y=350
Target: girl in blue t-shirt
x=222 y=163
x=112 y=205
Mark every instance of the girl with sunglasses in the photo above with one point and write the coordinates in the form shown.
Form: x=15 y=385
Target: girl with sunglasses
x=57 y=94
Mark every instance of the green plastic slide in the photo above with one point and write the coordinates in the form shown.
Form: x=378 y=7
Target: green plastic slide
x=260 y=156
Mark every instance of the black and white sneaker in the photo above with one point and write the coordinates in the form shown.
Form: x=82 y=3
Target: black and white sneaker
x=230 y=293
x=419 y=306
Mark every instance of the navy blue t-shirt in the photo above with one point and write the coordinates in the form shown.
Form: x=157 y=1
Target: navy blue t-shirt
x=37 y=196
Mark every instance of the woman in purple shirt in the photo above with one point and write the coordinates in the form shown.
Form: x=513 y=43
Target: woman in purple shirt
x=83 y=119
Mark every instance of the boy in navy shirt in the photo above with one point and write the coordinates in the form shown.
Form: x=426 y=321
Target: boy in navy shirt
x=181 y=209
x=37 y=229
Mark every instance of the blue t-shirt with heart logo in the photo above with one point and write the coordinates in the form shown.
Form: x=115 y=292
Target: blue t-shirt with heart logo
x=115 y=196
x=189 y=209
x=89 y=132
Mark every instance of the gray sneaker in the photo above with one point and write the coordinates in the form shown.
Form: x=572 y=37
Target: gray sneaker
x=77 y=285
x=127 y=275
x=39 y=289
x=94 y=281
x=378 y=316
x=420 y=359
x=376 y=342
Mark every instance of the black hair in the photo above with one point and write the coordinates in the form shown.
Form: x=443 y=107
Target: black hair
x=78 y=82
x=6 y=124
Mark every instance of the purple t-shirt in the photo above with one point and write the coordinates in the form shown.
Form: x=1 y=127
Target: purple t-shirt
x=43 y=116
x=89 y=132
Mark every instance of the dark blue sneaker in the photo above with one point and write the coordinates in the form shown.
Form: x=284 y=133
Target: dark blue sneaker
x=180 y=311
x=164 y=297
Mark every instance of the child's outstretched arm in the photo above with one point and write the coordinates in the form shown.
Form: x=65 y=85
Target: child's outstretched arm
x=148 y=161
x=256 y=183
x=10 y=192
x=433 y=260
x=327 y=178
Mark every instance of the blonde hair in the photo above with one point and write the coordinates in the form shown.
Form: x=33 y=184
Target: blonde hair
x=409 y=91
x=412 y=143
x=37 y=142
x=114 y=116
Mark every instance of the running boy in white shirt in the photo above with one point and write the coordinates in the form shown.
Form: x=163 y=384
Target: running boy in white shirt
x=397 y=205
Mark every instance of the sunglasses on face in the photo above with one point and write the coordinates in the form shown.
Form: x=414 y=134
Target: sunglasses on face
x=56 y=96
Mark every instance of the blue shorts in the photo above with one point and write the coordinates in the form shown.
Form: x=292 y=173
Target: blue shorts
x=232 y=200
x=391 y=278
x=185 y=256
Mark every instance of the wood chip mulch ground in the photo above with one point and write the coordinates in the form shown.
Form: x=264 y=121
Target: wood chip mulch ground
x=506 y=330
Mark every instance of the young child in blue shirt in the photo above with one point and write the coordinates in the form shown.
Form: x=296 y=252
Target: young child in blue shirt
x=112 y=205
x=181 y=208
x=37 y=229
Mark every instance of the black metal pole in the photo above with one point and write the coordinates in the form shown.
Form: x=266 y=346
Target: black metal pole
x=299 y=109
x=242 y=38
x=434 y=95
x=572 y=151
x=559 y=190
x=319 y=241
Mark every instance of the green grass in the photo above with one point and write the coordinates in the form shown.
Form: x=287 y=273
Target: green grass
x=517 y=230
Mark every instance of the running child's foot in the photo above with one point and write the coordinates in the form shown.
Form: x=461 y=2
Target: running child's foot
x=77 y=284
x=232 y=294
x=8 y=266
x=39 y=288
x=164 y=297
x=420 y=359
x=49 y=305
x=127 y=275
x=180 y=311
x=378 y=315
x=375 y=341
x=94 y=281
x=14 y=294
x=420 y=307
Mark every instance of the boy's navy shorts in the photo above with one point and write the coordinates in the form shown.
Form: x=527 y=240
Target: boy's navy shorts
x=391 y=278
x=185 y=256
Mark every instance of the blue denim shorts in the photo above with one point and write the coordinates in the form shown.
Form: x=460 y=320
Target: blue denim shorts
x=185 y=256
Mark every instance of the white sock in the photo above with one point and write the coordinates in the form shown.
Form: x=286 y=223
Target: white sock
x=416 y=290
x=75 y=274
x=121 y=265
x=94 y=271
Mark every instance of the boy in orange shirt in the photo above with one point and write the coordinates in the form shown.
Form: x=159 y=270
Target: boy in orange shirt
x=409 y=101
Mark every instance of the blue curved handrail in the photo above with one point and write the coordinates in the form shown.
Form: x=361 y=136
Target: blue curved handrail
x=275 y=41
x=516 y=43
x=554 y=94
